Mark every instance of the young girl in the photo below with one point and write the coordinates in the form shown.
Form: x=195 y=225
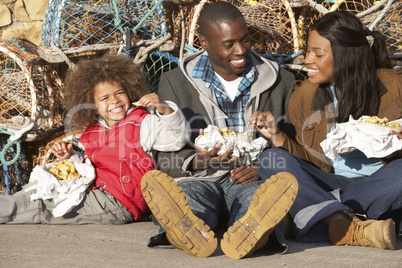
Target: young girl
x=349 y=75
x=120 y=140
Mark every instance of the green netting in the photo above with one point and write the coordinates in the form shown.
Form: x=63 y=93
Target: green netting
x=156 y=64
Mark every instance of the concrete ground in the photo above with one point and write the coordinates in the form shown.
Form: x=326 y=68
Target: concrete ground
x=125 y=246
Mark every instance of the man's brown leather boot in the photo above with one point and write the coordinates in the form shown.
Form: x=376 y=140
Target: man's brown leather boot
x=370 y=233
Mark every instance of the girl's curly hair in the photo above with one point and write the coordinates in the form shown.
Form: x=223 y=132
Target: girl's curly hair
x=82 y=79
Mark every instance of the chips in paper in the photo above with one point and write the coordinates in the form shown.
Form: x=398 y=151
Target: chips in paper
x=380 y=121
x=373 y=139
x=241 y=142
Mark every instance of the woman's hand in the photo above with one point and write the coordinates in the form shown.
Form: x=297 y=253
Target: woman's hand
x=398 y=134
x=265 y=122
x=62 y=150
x=397 y=154
x=153 y=100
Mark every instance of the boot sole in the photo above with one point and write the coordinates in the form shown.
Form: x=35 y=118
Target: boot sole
x=170 y=208
x=269 y=206
x=390 y=234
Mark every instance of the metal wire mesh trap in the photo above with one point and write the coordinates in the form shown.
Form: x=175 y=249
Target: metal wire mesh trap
x=77 y=26
x=30 y=92
x=277 y=28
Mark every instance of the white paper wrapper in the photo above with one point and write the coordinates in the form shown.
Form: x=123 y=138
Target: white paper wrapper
x=373 y=140
x=66 y=194
x=241 y=143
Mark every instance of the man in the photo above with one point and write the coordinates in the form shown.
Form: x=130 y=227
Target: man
x=222 y=85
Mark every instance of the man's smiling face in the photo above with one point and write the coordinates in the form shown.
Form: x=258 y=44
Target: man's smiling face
x=228 y=45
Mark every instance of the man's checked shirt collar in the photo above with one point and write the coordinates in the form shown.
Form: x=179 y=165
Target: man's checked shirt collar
x=203 y=69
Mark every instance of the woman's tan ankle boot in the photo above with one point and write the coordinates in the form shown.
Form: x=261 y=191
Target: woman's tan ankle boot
x=370 y=233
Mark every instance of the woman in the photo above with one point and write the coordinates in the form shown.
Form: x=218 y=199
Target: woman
x=349 y=75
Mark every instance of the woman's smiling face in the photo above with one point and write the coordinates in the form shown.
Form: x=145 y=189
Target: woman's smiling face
x=319 y=59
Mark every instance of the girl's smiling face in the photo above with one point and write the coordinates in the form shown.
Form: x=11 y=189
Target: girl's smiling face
x=319 y=59
x=111 y=101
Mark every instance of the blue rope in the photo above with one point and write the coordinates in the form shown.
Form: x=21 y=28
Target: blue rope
x=282 y=59
x=6 y=180
x=166 y=56
x=8 y=147
x=17 y=170
x=117 y=20
x=190 y=49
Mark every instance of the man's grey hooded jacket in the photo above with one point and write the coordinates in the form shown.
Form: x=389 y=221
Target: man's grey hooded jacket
x=270 y=92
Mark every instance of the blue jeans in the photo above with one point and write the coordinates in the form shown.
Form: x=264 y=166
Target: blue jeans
x=209 y=201
x=321 y=193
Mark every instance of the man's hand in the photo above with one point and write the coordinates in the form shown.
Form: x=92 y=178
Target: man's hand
x=207 y=159
x=245 y=174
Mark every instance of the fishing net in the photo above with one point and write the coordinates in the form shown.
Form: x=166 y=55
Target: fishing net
x=30 y=107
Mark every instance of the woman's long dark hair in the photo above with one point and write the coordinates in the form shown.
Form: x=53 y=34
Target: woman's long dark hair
x=355 y=62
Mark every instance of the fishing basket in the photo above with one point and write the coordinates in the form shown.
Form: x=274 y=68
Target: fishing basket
x=30 y=92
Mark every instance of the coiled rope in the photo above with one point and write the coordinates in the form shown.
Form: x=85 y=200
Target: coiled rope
x=8 y=147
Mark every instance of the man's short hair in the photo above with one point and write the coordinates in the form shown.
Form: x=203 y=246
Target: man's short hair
x=216 y=12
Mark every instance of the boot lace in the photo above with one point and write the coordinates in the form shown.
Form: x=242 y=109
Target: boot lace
x=358 y=237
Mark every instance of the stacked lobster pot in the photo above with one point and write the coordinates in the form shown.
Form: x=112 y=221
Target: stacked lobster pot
x=87 y=27
x=31 y=101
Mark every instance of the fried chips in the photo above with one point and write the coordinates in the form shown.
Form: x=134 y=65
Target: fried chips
x=64 y=170
x=381 y=121
x=227 y=132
